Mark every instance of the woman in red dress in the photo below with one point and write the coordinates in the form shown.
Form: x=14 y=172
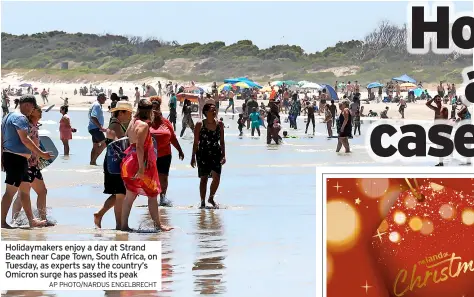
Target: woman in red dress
x=139 y=172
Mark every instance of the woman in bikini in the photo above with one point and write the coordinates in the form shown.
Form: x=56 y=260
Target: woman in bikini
x=65 y=129
x=113 y=184
x=209 y=150
x=139 y=172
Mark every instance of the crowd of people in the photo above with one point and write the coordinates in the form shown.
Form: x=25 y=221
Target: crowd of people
x=145 y=162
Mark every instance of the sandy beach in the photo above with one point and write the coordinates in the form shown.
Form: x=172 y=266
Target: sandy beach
x=414 y=111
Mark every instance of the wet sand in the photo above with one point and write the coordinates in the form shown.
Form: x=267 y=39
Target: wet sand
x=262 y=243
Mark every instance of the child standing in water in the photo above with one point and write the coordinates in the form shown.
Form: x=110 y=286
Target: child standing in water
x=357 y=122
x=255 y=118
x=240 y=123
x=65 y=129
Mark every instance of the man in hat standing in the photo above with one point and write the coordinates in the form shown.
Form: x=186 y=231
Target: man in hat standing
x=96 y=128
x=17 y=148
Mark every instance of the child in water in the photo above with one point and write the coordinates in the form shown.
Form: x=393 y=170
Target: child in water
x=240 y=123
x=357 y=122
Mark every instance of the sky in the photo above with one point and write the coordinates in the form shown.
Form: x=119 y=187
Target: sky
x=311 y=25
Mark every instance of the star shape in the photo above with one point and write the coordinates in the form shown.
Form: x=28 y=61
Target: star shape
x=337 y=186
x=379 y=235
x=366 y=287
x=357 y=201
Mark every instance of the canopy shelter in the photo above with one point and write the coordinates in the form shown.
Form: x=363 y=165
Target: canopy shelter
x=25 y=85
x=418 y=92
x=330 y=91
x=251 y=83
x=374 y=85
x=404 y=78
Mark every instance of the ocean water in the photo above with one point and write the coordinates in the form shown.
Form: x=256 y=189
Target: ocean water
x=261 y=243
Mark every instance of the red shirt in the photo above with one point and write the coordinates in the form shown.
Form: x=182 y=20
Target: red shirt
x=163 y=135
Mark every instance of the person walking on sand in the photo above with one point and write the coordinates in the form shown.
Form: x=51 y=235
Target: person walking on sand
x=346 y=127
x=44 y=95
x=209 y=151
x=16 y=149
x=333 y=109
x=96 y=128
x=137 y=97
x=121 y=115
x=231 y=102
x=34 y=178
x=65 y=129
x=139 y=172
x=162 y=130
x=402 y=105
x=187 y=117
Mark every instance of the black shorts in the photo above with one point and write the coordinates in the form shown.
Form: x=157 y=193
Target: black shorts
x=163 y=164
x=16 y=169
x=97 y=135
x=34 y=173
x=113 y=183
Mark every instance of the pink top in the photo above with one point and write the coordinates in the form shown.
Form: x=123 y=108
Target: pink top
x=33 y=160
x=64 y=125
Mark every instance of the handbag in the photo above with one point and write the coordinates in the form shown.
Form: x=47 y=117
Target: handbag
x=116 y=153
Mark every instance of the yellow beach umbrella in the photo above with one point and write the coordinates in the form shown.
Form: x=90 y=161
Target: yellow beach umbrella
x=408 y=85
x=226 y=87
x=242 y=85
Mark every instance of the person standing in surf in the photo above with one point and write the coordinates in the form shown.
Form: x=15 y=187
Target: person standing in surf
x=113 y=183
x=17 y=147
x=328 y=119
x=209 y=151
x=255 y=122
x=139 y=172
x=162 y=130
x=310 y=110
x=65 y=129
x=346 y=127
x=96 y=128
x=35 y=178
x=187 y=117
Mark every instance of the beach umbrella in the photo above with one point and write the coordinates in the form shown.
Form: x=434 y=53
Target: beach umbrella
x=374 y=85
x=277 y=83
x=242 y=85
x=330 y=91
x=225 y=87
x=24 y=85
x=404 y=78
x=408 y=85
x=290 y=83
x=303 y=82
x=311 y=85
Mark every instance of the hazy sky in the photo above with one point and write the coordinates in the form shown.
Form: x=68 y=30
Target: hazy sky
x=312 y=25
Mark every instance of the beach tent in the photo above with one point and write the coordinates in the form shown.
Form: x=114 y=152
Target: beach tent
x=418 y=92
x=331 y=91
x=24 y=85
x=374 y=85
x=404 y=78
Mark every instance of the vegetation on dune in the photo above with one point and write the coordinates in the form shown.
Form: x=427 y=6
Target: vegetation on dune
x=380 y=56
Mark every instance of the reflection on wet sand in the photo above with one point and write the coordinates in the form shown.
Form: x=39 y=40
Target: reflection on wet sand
x=166 y=268
x=208 y=268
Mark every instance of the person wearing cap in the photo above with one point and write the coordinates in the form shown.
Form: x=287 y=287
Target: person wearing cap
x=121 y=116
x=96 y=128
x=17 y=148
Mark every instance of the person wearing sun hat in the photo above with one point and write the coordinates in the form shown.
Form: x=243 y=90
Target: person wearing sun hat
x=113 y=183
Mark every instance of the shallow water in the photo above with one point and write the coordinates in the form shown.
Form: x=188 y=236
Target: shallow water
x=263 y=241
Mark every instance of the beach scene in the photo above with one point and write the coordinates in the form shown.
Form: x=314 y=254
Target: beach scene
x=256 y=235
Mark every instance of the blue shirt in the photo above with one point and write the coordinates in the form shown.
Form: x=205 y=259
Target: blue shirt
x=255 y=117
x=11 y=141
x=96 y=112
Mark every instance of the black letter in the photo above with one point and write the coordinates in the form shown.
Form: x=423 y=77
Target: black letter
x=420 y=27
x=440 y=140
x=460 y=141
x=419 y=140
x=456 y=32
x=376 y=140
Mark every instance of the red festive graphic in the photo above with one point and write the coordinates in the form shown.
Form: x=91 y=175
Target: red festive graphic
x=400 y=237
